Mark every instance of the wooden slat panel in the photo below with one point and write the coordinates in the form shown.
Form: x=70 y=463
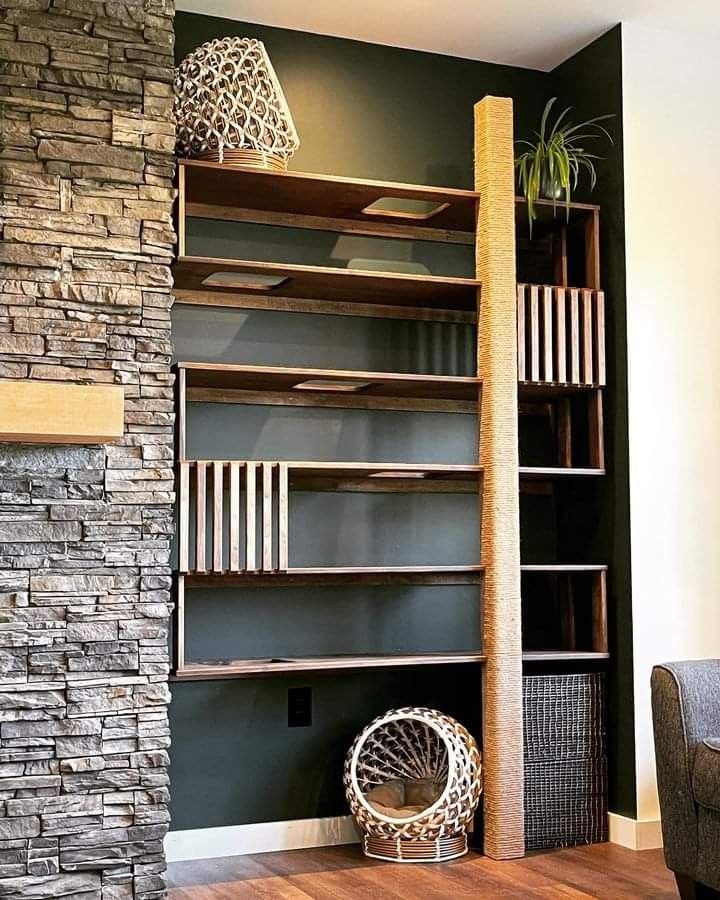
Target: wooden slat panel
x=560 y=335
x=547 y=334
x=217 y=537
x=200 y=509
x=521 y=291
x=181 y=217
x=283 y=500
x=267 y=533
x=599 y=613
x=587 y=337
x=250 y=516
x=184 y=518
x=534 y=333
x=574 y=336
x=600 y=337
x=234 y=548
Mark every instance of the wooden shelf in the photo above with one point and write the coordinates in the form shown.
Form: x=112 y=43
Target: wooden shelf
x=220 y=383
x=340 y=575
x=254 y=668
x=326 y=202
x=563 y=568
x=551 y=213
x=549 y=473
x=564 y=656
x=261 y=668
x=327 y=283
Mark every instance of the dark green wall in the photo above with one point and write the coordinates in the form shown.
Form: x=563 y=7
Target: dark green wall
x=591 y=81
x=364 y=111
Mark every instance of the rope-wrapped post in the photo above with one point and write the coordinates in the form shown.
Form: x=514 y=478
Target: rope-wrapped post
x=500 y=543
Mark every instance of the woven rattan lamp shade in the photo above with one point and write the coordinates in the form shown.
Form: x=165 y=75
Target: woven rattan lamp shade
x=230 y=107
x=415 y=745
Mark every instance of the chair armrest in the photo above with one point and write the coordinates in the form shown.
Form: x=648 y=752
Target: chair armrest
x=686 y=710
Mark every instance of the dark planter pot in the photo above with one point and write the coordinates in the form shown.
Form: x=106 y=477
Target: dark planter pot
x=548 y=192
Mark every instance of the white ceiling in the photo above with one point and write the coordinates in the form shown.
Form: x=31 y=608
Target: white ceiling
x=537 y=34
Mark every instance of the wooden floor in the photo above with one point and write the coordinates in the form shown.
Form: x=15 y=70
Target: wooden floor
x=602 y=871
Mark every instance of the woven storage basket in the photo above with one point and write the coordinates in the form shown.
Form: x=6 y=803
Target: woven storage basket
x=565 y=760
x=565 y=803
x=415 y=743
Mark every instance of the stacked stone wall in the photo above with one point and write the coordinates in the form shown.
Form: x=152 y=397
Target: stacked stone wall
x=86 y=242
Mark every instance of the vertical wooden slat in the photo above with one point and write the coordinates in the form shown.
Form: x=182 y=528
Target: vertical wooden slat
x=217 y=537
x=534 y=333
x=592 y=250
x=250 y=516
x=521 y=290
x=599 y=613
x=200 y=509
x=600 y=337
x=267 y=534
x=595 y=427
x=184 y=517
x=574 y=336
x=283 y=500
x=548 y=333
x=560 y=336
x=560 y=256
x=587 y=337
x=181 y=389
x=564 y=432
x=180 y=625
x=567 y=612
x=181 y=211
x=234 y=539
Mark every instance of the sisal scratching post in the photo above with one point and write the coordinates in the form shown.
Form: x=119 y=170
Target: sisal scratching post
x=497 y=367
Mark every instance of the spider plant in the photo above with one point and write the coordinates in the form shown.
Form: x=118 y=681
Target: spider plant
x=550 y=167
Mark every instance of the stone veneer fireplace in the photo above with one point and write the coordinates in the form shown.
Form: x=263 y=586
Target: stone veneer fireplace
x=86 y=167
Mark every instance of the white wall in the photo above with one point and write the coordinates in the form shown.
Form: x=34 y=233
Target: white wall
x=671 y=96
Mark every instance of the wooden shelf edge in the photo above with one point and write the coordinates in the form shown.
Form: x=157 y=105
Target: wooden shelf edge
x=375 y=575
x=551 y=472
x=564 y=656
x=564 y=568
x=288 y=665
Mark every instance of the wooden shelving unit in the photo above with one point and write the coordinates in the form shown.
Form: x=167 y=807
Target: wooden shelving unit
x=237 y=535
x=561 y=375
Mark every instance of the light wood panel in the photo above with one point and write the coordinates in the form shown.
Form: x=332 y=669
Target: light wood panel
x=48 y=412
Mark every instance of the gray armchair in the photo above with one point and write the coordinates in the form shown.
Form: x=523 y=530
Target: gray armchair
x=686 y=719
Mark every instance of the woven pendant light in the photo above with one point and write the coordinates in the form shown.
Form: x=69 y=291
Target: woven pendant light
x=230 y=107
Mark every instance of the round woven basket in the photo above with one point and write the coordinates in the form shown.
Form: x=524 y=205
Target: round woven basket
x=230 y=107
x=414 y=747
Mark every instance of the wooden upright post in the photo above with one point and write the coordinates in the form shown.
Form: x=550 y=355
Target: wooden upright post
x=497 y=367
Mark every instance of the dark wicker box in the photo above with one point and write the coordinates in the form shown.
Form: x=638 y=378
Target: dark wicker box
x=565 y=803
x=564 y=716
x=565 y=760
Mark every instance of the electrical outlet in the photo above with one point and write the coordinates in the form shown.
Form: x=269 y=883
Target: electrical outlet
x=299 y=707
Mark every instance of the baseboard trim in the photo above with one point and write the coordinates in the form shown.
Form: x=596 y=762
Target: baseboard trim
x=635 y=834
x=261 y=837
